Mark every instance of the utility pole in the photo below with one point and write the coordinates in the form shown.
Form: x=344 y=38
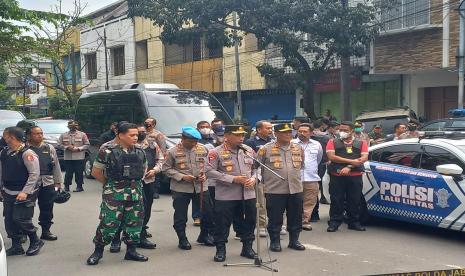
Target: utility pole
x=107 y=87
x=345 y=106
x=238 y=114
x=461 y=54
x=73 y=69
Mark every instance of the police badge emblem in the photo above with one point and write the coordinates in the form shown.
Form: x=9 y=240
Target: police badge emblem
x=443 y=197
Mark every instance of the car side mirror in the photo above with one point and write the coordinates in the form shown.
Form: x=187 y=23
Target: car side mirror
x=449 y=169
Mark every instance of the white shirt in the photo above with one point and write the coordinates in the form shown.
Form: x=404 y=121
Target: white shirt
x=313 y=154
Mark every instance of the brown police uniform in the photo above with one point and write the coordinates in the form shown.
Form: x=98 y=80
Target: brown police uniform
x=74 y=161
x=224 y=164
x=179 y=163
x=283 y=195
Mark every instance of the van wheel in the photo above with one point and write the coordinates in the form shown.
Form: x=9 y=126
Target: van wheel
x=88 y=168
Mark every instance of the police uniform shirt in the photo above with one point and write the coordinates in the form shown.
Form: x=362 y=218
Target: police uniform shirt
x=287 y=162
x=56 y=177
x=159 y=138
x=31 y=161
x=180 y=162
x=223 y=165
x=131 y=192
x=159 y=159
x=77 y=139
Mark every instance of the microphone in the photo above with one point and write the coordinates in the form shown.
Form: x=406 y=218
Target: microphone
x=241 y=146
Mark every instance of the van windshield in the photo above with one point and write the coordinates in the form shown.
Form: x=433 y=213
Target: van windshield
x=175 y=109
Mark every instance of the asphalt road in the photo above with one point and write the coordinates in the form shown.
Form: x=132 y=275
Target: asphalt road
x=387 y=247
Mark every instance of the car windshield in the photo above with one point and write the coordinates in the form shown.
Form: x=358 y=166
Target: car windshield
x=183 y=108
x=53 y=127
x=9 y=114
x=4 y=123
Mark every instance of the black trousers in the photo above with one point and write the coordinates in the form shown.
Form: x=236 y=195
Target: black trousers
x=45 y=200
x=149 y=190
x=196 y=208
x=276 y=204
x=18 y=217
x=181 y=206
x=227 y=210
x=321 y=173
x=76 y=168
x=349 y=189
x=211 y=191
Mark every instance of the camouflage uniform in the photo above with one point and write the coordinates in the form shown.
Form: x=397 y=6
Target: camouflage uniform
x=122 y=203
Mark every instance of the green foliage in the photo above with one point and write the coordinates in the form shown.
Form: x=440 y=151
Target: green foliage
x=59 y=107
x=310 y=34
x=16 y=27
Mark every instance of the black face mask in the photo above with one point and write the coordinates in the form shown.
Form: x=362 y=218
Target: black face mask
x=412 y=128
x=141 y=136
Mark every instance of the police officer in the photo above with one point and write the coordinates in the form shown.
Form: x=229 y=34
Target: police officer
x=75 y=144
x=154 y=135
x=287 y=160
x=376 y=135
x=154 y=163
x=19 y=176
x=185 y=165
x=50 y=178
x=232 y=170
x=347 y=155
x=120 y=168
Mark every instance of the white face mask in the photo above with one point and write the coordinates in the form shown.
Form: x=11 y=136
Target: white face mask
x=344 y=135
x=205 y=131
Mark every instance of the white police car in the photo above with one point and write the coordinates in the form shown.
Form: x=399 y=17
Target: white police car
x=418 y=180
x=3 y=266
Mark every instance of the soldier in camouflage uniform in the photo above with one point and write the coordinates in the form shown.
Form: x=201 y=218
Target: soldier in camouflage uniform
x=120 y=168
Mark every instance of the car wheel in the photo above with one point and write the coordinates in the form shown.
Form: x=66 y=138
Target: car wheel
x=88 y=168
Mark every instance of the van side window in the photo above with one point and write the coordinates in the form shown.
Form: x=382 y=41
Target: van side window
x=404 y=155
x=434 y=156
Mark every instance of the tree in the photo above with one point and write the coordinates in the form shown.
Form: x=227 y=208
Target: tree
x=56 y=45
x=5 y=96
x=310 y=34
x=15 y=29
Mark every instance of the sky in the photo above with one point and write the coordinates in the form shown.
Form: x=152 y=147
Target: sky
x=67 y=5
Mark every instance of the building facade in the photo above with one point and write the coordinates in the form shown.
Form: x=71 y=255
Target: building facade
x=418 y=46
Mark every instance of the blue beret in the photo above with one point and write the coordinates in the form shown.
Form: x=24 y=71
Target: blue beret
x=191 y=133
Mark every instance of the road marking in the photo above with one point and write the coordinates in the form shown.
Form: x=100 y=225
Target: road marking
x=455 y=266
x=324 y=250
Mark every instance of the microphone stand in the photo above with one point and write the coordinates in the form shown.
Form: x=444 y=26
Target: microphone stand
x=258 y=262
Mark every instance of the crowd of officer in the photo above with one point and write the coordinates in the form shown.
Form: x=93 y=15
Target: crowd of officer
x=224 y=175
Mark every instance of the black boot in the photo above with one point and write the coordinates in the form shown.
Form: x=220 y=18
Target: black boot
x=275 y=243
x=47 y=235
x=133 y=255
x=247 y=250
x=79 y=189
x=294 y=242
x=220 y=255
x=144 y=242
x=115 y=245
x=15 y=249
x=183 y=242
x=96 y=256
x=35 y=245
x=206 y=239
x=156 y=193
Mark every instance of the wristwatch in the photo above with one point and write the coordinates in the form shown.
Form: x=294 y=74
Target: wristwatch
x=350 y=166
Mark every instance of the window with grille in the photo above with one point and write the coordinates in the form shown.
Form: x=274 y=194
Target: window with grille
x=141 y=55
x=117 y=55
x=401 y=14
x=91 y=66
